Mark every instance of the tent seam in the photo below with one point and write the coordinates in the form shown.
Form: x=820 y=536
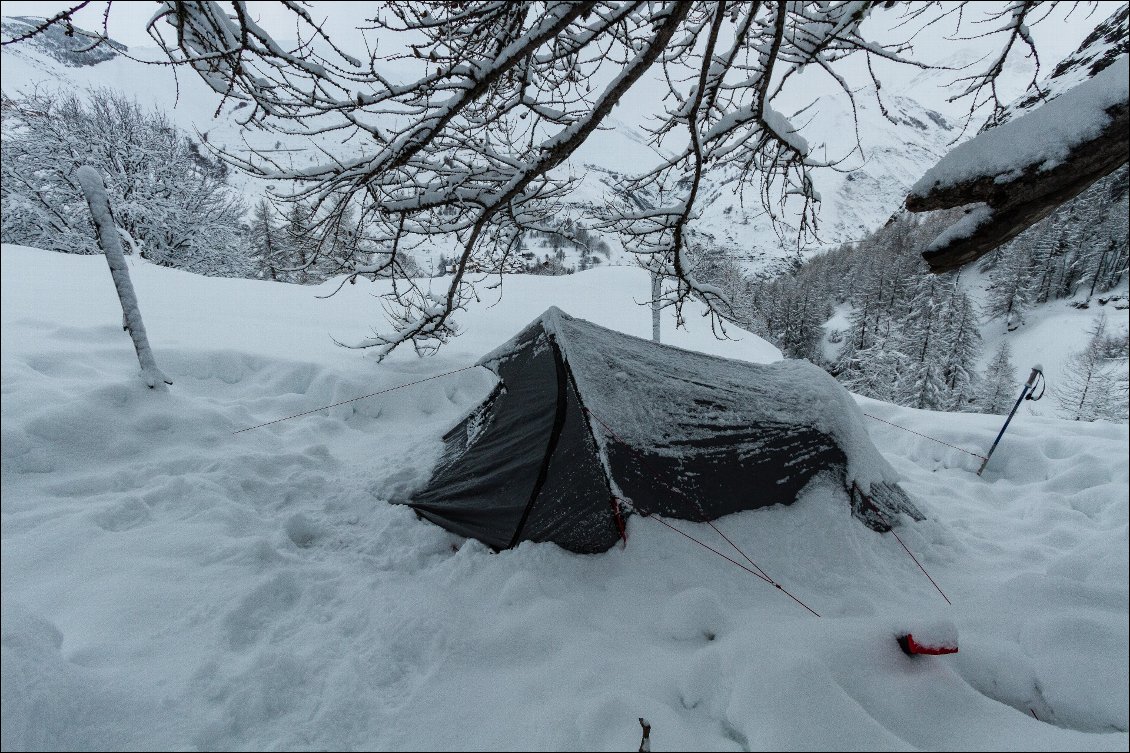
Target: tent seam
x=551 y=445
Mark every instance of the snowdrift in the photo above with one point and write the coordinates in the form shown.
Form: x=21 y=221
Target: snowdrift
x=168 y=584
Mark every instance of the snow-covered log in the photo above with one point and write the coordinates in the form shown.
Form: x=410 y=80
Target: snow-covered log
x=1021 y=171
x=111 y=243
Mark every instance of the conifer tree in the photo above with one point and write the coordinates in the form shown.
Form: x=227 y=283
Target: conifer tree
x=998 y=385
x=1093 y=383
x=878 y=373
x=299 y=243
x=962 y=349
x=921 y=341
x=863 y=328
x=1010 y=283
x=265 y=245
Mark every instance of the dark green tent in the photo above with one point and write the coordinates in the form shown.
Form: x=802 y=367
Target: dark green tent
x=588 y=426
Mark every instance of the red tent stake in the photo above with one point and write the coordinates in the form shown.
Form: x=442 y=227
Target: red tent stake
x=911 y=646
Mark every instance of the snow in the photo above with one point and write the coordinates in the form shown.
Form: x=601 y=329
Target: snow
x=1042 y=138
x=1051 y=333
x=790 y=392
x=785 y=131
x=167 y=584
x=975 y=217
x=936 y=634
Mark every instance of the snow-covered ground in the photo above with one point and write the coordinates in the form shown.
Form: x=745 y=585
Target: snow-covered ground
x=168 y=584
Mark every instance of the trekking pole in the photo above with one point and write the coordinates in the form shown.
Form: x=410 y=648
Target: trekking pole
x=1026 y=392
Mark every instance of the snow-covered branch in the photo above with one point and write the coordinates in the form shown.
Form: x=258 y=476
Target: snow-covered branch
x=457 y=136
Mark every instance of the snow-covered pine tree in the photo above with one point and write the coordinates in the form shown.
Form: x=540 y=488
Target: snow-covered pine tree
x=863 y=332
x=1108 y=257
x=998 y=385
x=1093 y=383
x=878 y=374
x=264 y=241
x=339 y=241
x=1047 y=250
x=299 y=243
x=1010 y=287
x=962 y=350
x=922 y=340
x=805 y=331
x=856 y=340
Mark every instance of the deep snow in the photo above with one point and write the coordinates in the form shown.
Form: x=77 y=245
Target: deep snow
x=169 y=584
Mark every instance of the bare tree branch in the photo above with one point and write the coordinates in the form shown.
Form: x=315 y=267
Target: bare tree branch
x=456 y=140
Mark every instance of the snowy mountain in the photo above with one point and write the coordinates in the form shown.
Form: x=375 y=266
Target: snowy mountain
x=72 y=48
x=1109 y=41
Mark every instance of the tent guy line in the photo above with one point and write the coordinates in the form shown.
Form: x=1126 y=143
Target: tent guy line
x=760 y=572
x=643 y=462
x=926 y=436
x=355 y=399
x=855 y=488
x=471 y=366
x=726 y=557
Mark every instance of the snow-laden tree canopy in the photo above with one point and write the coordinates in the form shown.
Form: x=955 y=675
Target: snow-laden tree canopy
x=456 y=123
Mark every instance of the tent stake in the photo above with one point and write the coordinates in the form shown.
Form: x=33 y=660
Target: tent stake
x=1028 y=387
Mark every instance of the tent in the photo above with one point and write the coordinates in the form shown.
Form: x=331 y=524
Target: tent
x=587 y=426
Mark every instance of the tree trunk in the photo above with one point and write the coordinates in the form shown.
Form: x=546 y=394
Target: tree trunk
x=111 y=245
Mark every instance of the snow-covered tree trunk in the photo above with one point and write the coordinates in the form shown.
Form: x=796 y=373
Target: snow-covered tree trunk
x=111 y=244
x=656 y=294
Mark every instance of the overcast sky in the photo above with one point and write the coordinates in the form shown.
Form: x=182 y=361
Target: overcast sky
x=128 y=19
x=1056 y=37
x=1059 y=35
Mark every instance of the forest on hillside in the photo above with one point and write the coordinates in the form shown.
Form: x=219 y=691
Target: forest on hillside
x=914 y=338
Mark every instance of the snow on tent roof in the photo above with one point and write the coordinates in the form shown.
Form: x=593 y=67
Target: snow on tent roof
x=587 y=424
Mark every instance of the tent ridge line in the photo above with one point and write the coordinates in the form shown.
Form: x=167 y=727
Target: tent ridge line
x=551 y=445
x=614 y=495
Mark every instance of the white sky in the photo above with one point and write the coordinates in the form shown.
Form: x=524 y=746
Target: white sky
x=1058 y=36
x=128 y=19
